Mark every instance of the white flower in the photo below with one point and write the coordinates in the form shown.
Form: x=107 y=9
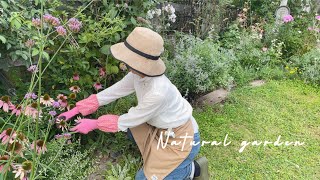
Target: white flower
x=171 y=9
x=172 y=18
x=149 y=14
x=158 y=12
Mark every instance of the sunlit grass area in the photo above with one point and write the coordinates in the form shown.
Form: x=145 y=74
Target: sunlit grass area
x=289 y=109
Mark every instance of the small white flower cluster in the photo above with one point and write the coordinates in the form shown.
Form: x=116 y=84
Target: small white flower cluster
x=152 y=12
x=170 y=9
x=157 y=12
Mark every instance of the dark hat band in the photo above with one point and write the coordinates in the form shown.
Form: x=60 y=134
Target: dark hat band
x=148 y=56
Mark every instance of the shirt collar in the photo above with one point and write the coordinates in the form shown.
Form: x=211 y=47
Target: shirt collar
x=144 y=79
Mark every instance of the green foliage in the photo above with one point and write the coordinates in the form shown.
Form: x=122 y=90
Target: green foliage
x=124 y=170
x=308 y=65
x=15 y=24
x=199 y=65
x=66 y=161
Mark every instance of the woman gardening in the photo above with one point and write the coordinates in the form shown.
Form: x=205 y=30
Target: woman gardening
x=162 y=114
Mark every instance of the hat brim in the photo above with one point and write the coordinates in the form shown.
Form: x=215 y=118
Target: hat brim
x=139 y=63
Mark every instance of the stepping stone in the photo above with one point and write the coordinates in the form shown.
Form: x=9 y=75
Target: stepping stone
x=214 y=97
x=257 y=83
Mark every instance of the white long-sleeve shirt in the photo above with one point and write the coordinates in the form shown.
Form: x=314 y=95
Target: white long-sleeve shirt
x=160 y=104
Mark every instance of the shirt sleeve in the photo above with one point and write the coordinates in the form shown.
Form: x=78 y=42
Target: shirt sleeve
x=150 y=106
x=120 y=89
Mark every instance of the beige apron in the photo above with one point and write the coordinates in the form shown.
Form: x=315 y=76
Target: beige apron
x=159 y=162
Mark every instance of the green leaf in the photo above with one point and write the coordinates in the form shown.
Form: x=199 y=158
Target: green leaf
x=117 y=37
x=46 y=55
x=35 y=52
x=105 y=49
x=4 y=4
x=25 y=57
x=46 y=166
x=15 y=23
x=133 y=21
x=8 y=46
x=51 y=42
x=3 y=39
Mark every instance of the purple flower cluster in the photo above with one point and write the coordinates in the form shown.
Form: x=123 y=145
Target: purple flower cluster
x=65 y=135
x=74 y=25
x=287 y=18
x=56 y=104
x=61 y=30
x=318 y=18
x=51 y=19
x=33 y=68
x=31 y=95
x=29 y=43
x=36 y=22
x=52 y=113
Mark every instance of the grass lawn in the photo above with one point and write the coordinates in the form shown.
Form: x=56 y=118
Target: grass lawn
x=287 y=108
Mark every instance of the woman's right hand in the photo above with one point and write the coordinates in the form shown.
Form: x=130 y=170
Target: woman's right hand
x=69 y=114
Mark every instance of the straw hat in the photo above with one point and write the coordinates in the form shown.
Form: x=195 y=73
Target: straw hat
x=141 y=51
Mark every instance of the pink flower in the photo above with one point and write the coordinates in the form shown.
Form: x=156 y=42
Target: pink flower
x=46 y=100
x=76 y=77
x=55 y=21
x=8 y=135
x=75 y=89
x=29 y=43
x=287 y=18
x=61 y=124
x=33 y=69
x=61 y=97
x=58 y=136
x=22 y=170
x=264 y=49
x=310 y=28
x=318 y=18
x=17 y=110
x=102 y=71
x=97 y=86
x=5 y=103
x=32 y=111
x=36 y=22
x=61 y=30
x=2 y=164
x=47 y=17
x=63 y=103
x=40 y=146
x=74 y=25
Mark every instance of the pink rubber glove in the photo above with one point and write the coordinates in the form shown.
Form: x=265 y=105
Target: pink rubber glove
x=69 y=114
x=85 y=125
x=85 y=107
x=106 y=123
